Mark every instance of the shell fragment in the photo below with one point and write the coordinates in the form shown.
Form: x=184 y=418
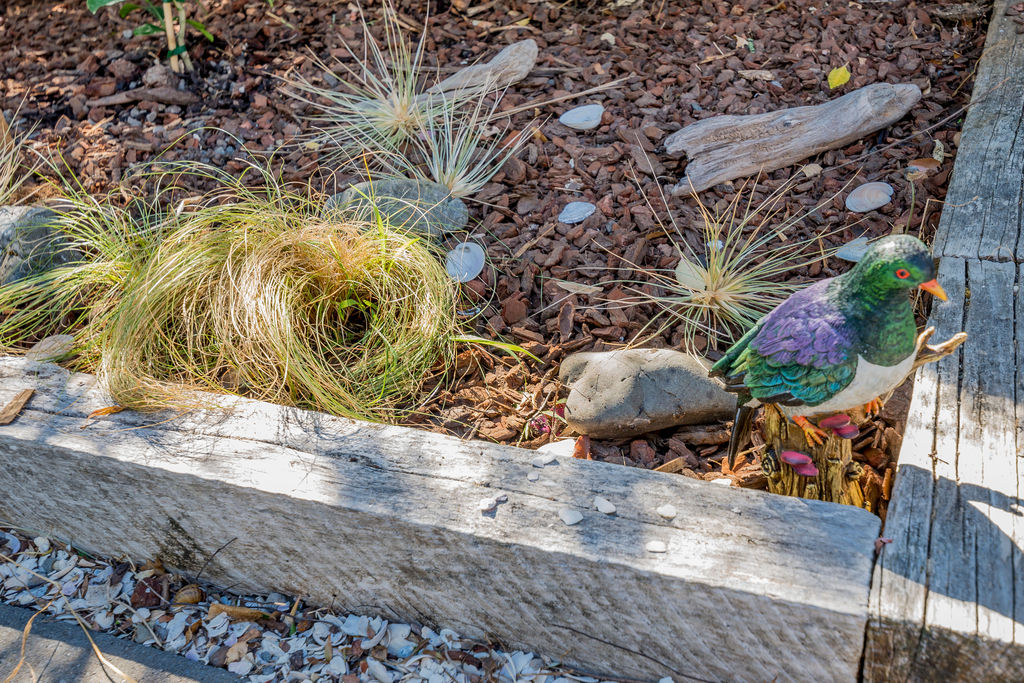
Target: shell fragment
x=582 y=118
x=576 y=212
x=465 y=261
x=869 y=196
x=570 y=516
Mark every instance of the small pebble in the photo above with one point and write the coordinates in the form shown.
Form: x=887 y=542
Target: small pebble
x=604 y=505
x=570 y=516
x=656 y=547
x=722 y=481
x=42 y=544
x=533 y=476
x=668 y=511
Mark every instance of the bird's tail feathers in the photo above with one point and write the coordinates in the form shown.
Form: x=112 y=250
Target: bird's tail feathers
x=740 y=431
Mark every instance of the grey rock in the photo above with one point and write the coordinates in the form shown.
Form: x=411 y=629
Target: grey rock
x=617 y=394
x=414 y=204
x=30 y=243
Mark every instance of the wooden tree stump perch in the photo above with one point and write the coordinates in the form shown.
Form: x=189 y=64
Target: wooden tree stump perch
x=839 y=476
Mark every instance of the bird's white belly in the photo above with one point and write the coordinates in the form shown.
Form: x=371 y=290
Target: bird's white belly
x=869 y=381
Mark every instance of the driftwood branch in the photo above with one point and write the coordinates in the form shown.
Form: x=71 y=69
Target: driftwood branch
x=509 y=66
x=726 y=147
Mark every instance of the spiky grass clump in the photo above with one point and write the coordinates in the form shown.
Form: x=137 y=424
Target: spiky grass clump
x=14 y=170
x=460 y=149
x=379 y=104
x=734 y=277
x=249 y=292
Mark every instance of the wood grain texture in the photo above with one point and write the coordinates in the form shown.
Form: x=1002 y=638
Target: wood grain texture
x=721 y=148
x=944 y=594
x=385 y=520
x=982 y=214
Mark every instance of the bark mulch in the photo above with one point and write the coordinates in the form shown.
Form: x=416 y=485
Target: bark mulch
x=679 y=62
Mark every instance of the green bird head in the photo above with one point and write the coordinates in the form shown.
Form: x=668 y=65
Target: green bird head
x=897 y=262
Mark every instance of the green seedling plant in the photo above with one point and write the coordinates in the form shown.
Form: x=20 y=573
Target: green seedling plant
x=163 y=17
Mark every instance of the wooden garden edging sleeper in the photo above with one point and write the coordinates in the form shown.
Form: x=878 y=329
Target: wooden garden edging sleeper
x=947 y=597
x=387 y=521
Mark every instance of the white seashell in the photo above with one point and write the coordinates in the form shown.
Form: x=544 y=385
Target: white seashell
x=604 y=505
x=42 y=544
x=582 y=118
x=543 y=459
x=570 y=516
x=561 y=447
x=853 y=250
x=722 y=481
x=656 y=547
x=868 y=197
x=465 y=261
x=576 y=212
x=668 y=511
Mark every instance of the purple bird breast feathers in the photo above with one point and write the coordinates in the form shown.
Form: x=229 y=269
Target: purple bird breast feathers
x=806 y=329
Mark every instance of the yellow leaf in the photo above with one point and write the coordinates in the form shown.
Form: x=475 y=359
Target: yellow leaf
x=838 y=76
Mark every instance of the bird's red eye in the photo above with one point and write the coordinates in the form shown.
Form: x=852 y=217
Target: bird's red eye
x=903 y=273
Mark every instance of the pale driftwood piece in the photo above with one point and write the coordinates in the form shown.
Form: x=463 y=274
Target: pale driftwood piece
x=944 y=594
x=386 y=520
x=509 y=66
x=981 y=217
x=725 y=147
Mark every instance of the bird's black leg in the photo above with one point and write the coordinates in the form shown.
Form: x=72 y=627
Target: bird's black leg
x=740 y=431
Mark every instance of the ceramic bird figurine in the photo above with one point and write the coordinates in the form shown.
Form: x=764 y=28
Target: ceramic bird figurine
x=839 y=344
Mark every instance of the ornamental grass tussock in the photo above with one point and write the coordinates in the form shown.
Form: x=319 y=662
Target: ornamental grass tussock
x=722 y=289
x=245 y=291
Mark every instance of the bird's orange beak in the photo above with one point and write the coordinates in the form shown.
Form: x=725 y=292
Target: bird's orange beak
x=935 y=289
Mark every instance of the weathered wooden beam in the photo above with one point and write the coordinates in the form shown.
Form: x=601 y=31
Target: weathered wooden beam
x=944 y=591
x=981 y=216
x=387 y=520
x=721 y=148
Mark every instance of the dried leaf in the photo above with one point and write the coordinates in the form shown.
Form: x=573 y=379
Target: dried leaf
x=811 y=170
x=103 y=412
x=838 y=76
x=577 y=287
x=189 y=595
x=672 y=466
x=236 y=612
x=14 y=406
x=756 y=74
x=581 y=450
